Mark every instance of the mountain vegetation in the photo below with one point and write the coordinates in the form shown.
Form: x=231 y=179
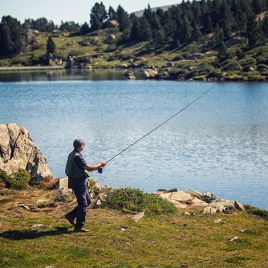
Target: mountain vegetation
x=203 y=39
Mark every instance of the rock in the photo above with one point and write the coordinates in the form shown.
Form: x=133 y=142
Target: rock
x=198 y=203
x=218 y=221
x=38 y=226
x=112 y=24
x=194 y=56
x=180 y=199
x=148 y=73
x=129 y=74
x=138 y=216
x=194 y=193
x=234 y=238
x=64 y=191
x=166 y=77
x=233 y=41
x=17 y=151
x=239 y=206
x=170 y=64
x=222 y=206
x=111 y=37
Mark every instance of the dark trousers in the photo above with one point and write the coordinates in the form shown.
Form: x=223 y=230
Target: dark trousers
x=80 y=188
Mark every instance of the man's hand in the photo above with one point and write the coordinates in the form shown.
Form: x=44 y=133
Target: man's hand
x=95 y=167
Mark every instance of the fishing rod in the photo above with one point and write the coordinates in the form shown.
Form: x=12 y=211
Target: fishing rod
x=187 y=106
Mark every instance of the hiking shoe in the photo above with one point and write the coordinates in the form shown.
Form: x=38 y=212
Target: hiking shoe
x=83 y=230
x=68 y=218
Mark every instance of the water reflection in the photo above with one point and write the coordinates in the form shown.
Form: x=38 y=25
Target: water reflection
x=64 y=75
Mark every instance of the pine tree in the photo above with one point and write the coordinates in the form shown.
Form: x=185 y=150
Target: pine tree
x=98 y=16
x=10 y=35
x=186 y=30
x=196 y=34
x=50 y=45
x=112 y=15
x=85 y=29
x=135 y=30
x=223 y=53
x=123 y=19
x=253 y=31
x=146 y=31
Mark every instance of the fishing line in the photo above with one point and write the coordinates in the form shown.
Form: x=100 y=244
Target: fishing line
x=187 y=106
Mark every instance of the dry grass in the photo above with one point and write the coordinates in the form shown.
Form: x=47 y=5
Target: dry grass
x=118 y=241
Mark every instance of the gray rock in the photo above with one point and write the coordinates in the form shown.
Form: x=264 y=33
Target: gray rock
x=137 y=217
x=148 y=73
x=17 y=151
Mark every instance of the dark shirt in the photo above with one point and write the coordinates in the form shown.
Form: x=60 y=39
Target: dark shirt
x=80 y=161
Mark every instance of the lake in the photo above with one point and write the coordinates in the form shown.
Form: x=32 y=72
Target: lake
x=217 y=144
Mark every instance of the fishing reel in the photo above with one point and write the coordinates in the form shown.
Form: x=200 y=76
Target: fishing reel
x=100 y=170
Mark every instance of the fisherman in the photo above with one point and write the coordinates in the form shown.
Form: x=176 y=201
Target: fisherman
x=77 y=171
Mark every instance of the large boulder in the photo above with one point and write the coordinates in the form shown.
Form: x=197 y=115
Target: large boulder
x=17 y=151
x=148 y=73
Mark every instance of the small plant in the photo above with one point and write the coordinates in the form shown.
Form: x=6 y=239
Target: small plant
x=136 y=200
x=3 y=178
x=19 y=180
x=256 y=211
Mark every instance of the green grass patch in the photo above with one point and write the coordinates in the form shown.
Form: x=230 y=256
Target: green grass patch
x=116 y=240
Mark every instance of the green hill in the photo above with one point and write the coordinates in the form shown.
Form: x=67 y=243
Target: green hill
x=204 y=40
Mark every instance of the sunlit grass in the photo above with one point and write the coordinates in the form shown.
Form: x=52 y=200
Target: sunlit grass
x=117 y=241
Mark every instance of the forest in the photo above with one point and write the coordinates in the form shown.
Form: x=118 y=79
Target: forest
x=183 y=23
x=206 y=26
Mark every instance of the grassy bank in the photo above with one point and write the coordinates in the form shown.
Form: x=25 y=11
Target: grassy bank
x=171 y=240
x=197 y=61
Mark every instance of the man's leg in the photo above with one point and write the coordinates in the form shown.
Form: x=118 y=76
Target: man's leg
x=83 y=201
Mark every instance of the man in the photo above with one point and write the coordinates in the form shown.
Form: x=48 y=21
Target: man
x=77 y=171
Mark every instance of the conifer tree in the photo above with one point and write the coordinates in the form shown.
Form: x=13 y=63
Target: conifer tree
x=112 y=15
x=98 y=16
x=50 y=45
x=10 y=36
x=196 y=33
x=123 y=19
x=146 y=31
x=223 y=53
x=253 y=31
x=135 y=29
x=186 y=30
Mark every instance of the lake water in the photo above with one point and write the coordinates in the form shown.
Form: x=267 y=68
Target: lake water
x=218 y=144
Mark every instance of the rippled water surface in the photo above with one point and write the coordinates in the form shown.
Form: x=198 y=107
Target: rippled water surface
x=218 y=144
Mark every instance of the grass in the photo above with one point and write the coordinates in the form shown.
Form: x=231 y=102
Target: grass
x=169 y=240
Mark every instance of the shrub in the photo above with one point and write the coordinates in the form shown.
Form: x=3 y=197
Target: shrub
x=19 y=180
x=256 y=211
x=247 y=61
x=3 y=178
x=231 y=65
x=263 y=58
x=136 y=200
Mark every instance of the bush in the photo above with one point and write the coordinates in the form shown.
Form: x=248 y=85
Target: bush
x=256 y=211
x=19 y=180
x=231 y=65
x=137 y=200
x=3 y=178
x=247 y=61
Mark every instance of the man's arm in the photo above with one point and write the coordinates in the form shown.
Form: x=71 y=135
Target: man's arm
x=94 y=167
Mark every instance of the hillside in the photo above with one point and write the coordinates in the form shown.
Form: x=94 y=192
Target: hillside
x=204 y=40
x=99 y=50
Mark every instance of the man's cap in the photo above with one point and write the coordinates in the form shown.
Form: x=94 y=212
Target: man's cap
x=78 y=142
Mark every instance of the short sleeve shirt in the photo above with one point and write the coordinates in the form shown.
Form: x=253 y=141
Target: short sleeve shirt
x=80 y=161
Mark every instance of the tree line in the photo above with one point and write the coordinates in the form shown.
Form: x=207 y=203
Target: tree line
x=181 y=24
